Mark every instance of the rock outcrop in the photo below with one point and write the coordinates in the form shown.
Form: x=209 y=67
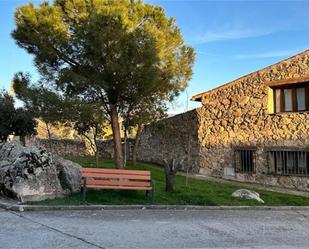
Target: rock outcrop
x=32 y=174
x=247 y=194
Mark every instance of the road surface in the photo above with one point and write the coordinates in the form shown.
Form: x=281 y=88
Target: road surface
x=154 y=229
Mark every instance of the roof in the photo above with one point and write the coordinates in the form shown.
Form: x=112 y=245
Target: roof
x=198 y=97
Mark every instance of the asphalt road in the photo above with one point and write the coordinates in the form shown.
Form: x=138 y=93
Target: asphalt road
x=154 y=229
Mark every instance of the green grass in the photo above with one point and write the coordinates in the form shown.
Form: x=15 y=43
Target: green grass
x=198 y=192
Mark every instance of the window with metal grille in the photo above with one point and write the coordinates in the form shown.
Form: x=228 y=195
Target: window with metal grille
x=245 y=160
x=290 y=162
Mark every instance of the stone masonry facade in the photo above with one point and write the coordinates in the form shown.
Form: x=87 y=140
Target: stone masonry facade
x=172 y=138
x=237 y=114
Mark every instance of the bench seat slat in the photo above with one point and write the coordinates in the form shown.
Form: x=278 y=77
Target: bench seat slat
x=115 y=171
x=118 y=187
x=117 y=176
x=117 y=183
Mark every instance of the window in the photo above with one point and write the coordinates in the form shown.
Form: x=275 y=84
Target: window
x=278 y=100
x=288 y=106
x=301 y=98
x=244 y=160
x=291 y=99
x=290 y=162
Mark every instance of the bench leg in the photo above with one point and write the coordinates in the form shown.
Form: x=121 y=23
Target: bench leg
x=83 y=190
x=150 y=193
x=82 y=194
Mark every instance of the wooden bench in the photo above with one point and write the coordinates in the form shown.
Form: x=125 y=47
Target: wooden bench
x=98 y=178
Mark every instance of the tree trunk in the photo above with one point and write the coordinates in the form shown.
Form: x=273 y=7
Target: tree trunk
x=96 y=158
x=22 y=140
x=48 y=135
x=48 y=131
x=170 y=169
x=116 y=136
x=125 y=147
x=96 y=152
x=169 y=183
x=4 y=139
x=137 y=139
x=95 y=141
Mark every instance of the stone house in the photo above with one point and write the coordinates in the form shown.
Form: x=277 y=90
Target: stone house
x=252 y=129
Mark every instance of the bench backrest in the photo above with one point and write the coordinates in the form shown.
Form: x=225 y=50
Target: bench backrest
x=117 y=177
x=116 y=174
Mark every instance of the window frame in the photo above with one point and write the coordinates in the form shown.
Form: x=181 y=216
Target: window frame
x=294 y=88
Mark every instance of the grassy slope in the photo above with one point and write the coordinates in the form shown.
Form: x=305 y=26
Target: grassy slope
x=198 y=192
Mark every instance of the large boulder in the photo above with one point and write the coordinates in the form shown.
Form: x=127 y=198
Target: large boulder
x=247 y=194
x=30 y=174
x=69 y=174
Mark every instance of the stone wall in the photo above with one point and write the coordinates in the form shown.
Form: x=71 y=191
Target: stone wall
x=106 y=148
x=235 y=114
x=174 y=137
x=238 y=114
x=70 y=147
x=61 y=147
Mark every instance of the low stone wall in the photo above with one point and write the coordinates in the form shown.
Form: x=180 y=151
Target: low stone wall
x=61 y=147
x=70 y=147
x=106 y=148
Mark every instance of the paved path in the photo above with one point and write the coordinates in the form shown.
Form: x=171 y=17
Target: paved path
x=154 y=229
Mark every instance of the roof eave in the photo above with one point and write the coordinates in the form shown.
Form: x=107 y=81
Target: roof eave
x=281 y=82
x=197 y=97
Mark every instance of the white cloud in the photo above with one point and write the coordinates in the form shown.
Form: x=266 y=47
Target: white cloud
x=272 y=54
x=200 y=52
x=230 y=34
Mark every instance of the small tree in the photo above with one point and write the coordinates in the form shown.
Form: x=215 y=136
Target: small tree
x=7 y=112
x=89 y=120
x=170 y=168
x=23 y=124
x=52 y=108
x=43 y=103
x=18 y=121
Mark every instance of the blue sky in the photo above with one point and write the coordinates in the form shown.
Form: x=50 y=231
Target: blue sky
x=231 y=38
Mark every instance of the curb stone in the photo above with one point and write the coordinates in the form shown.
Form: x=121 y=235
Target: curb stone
x=21 y=207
